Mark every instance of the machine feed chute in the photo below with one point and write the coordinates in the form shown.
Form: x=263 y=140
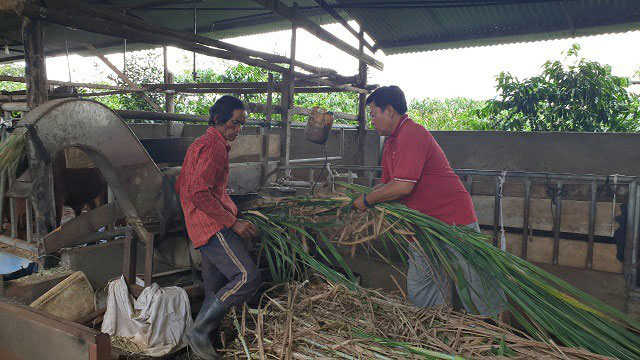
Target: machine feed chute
x=134 y=178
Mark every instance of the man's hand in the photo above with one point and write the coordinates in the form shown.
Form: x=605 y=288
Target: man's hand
x=359 y=203
x=244 y=229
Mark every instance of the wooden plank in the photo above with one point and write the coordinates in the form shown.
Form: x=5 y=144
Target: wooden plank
x=33 y=334
x=124 y=77
x=148 y=259
x=279 y=8
x=107 y=28
x=575 y=214
x=334 y=14
x=129 y=263
x=72 y=232
x=572 y=253
x=137 y=23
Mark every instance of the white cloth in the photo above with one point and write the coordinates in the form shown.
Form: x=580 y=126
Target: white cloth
x=155 y=321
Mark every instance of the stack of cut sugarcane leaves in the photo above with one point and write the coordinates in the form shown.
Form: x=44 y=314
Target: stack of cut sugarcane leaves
x=547 y=307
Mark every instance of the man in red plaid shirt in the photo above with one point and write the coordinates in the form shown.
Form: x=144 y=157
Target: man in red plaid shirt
x=213 y=226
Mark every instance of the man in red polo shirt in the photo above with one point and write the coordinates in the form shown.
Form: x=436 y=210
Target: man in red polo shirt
x=213 y=226
x=416 y=172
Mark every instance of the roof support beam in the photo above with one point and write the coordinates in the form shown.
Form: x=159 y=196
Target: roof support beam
x=568 y=17
x=82 y=8
x=285 y=12
x=122 y=76
x=112 y=29
x=334 y=14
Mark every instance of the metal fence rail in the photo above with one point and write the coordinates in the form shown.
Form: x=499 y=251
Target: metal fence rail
x=560 y=179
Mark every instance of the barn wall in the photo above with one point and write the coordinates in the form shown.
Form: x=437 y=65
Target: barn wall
x=581 y=153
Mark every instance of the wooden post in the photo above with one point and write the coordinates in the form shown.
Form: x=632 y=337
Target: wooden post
x=362 y=108
x=169 y=98
x=148 y=259
x=266 y=132
x=35 y=66
x=287 y=97
x=130 y=255
x=36 y=76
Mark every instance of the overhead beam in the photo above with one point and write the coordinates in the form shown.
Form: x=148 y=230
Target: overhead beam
x=122 y=76
x=155 y=3
x=334 y=14
x=277 y=7
x=568 y=17
x=20 y=79
x=78 y=7
x=117 y=30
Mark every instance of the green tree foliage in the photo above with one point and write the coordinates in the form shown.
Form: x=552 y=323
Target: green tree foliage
x=141 y=67
x=453 y=114
x=12 y=70
x=570 y=95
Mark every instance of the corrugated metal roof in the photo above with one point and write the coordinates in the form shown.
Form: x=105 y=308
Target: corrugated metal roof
x=433 y=25
x=396 y=26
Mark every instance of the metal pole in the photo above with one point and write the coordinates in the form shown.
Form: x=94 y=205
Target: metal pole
x=470 y=184
x=525 y=225
x=592 y=224
x=496 y=212
x=342 y=142
x=266 y=132
x=541 y=175
x=3 y=175
x=288 y=94
x=517 y=174
x=556 y=224
x=362 y=107
x=635 y=246
x=630 y=241
x=169 y=97
x=306 y=160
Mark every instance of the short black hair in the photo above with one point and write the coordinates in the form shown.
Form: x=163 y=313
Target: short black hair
x=224 y=108
x=389 y=95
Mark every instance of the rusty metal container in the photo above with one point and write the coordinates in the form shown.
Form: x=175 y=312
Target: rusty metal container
x=319 y=124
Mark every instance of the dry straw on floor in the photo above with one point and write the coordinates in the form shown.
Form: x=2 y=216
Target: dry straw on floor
x=314 y=321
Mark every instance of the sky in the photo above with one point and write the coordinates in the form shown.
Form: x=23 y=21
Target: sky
x=439 y=74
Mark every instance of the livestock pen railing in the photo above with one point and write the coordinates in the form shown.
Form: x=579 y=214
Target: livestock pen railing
x=577 y=220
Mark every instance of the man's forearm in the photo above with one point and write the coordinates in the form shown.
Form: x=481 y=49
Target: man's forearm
x=394 y=190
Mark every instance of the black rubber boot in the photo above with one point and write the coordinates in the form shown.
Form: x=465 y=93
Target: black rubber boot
x=198 y=337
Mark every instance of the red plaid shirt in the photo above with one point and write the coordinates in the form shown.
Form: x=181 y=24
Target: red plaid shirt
x=202 y=186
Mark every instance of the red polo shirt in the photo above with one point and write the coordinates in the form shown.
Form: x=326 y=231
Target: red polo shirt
x=412 y=154
x=202 y=186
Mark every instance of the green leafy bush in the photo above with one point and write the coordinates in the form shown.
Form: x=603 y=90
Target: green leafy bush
x=570 y=95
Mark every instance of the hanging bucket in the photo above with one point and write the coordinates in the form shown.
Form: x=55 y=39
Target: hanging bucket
x=319 y=124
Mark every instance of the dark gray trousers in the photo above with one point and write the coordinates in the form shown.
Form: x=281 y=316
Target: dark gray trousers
x=227 y=269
